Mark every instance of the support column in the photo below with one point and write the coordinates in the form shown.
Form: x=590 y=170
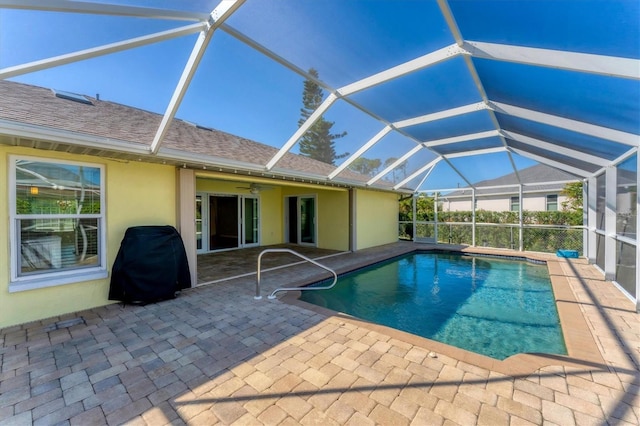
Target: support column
x=585 y=219
x=415 y=210
x=637 y=228
x=352 y=220
x=435 y=216
x=520 y=220
x=610 y=224
x=186 y=218
x=591 y=206
x=473 y=217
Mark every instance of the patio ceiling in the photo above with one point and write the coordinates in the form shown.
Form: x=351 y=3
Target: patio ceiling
x=442 y=93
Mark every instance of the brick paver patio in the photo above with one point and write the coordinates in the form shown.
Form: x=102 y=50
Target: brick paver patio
x=215 y=355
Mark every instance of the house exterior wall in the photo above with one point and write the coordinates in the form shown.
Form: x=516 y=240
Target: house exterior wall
x=539 y=203
x=136 y=194
x=333 y=220
x=271 y=211
x=500 y=203
x=457 y=205
x=376 y=218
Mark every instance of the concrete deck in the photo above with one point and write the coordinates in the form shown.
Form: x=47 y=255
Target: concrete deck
x=215 y=355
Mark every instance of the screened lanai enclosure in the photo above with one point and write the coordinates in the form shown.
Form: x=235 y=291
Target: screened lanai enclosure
x=444 y=100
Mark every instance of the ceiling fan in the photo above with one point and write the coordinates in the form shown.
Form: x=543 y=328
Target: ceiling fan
x=255 y=188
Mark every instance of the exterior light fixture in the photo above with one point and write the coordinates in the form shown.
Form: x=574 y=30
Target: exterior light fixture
x=33 y=190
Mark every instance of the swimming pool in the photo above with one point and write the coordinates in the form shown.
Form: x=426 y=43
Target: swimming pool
x=486 y=305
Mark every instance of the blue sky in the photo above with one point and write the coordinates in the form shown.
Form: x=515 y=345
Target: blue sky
x=239 y=90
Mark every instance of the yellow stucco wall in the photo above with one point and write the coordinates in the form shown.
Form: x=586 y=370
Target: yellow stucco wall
x=136 y=194
x=376 y=218
x=271 y=217
x=333 y=220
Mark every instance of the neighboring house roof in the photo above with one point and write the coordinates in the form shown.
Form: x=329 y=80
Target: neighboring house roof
x=121 y=131
x=529 y=177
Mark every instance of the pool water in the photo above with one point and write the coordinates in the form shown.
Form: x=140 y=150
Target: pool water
x=486 y=305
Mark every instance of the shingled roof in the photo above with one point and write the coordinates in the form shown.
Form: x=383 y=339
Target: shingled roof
x=117 y=129
x=530 y=178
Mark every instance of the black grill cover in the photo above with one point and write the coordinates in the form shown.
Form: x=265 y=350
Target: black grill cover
x=151 y=265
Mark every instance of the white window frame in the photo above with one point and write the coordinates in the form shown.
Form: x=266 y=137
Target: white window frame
x=546 y=202
x=511 y=204
x=55 y=278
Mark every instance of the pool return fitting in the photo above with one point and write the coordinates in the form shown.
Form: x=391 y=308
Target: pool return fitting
x=284 y=250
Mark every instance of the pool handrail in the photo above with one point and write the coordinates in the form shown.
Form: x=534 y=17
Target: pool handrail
x=285 y=250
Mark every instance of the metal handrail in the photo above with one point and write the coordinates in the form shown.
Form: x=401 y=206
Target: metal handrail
x=284 y=250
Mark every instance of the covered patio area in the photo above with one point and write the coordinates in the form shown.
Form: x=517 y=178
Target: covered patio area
x=215 y=355
x=225 y=265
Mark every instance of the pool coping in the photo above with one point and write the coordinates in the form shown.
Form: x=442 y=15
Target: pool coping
x=583 y=351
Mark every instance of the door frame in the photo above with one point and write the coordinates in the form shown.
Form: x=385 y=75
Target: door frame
x=242 y=214
x=205 y=226
x=298 y=219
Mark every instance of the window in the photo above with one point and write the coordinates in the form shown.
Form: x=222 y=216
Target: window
x=515 y=204
x=72 y=97
x=552 y=203
x=57 y=222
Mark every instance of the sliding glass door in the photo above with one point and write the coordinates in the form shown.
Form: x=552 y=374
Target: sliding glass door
x=251 y=223
x=199 y=223
x=301 y=219
x=224 y=213
x=307 y=220
x=226 y=221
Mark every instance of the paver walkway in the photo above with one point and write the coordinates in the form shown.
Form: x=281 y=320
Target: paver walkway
x=215 y=355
